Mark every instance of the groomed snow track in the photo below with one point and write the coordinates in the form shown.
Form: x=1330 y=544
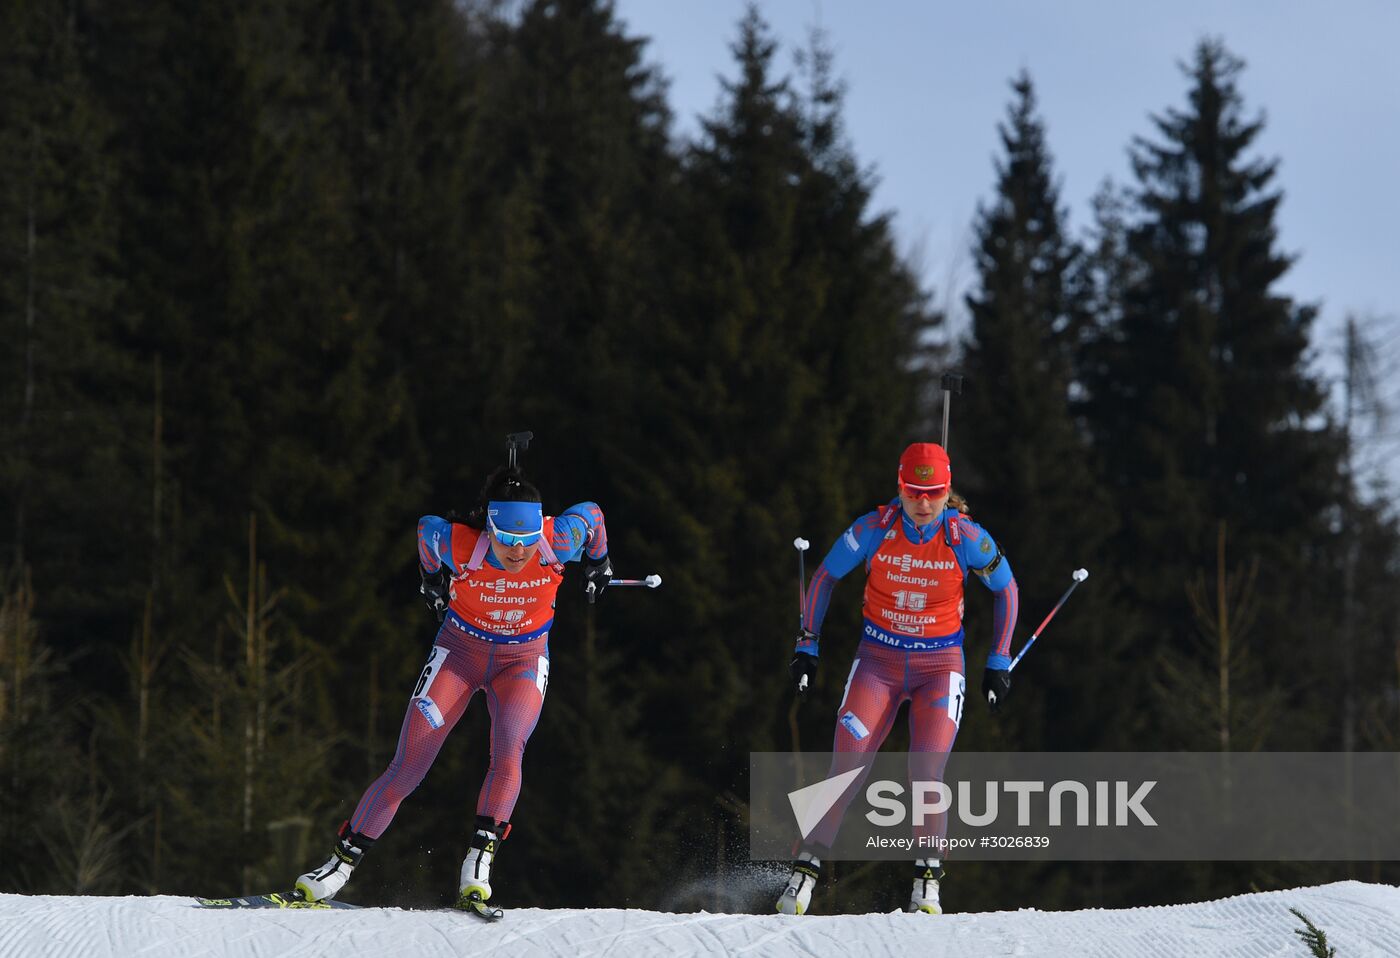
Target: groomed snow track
x=1360 y=920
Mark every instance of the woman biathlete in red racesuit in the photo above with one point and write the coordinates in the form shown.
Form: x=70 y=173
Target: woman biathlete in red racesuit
x=918 y=553
x=492 y=580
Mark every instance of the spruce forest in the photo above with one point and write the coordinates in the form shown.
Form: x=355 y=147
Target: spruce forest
x=277 y=278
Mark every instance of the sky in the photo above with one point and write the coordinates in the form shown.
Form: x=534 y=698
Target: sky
x=927 y=82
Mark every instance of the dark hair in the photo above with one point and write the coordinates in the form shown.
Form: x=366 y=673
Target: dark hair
x=506 y=484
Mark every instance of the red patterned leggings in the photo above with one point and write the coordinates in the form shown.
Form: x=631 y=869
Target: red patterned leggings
x=514 y=678
x=881 y=679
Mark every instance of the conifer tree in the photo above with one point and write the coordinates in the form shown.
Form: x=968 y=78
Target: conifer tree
x=66 y=391
x=235 y=236
x=567 y=175
x=1021 y=458
x=37 y=759
x=1201 y=400
x=560 y=241
x=781 y=391
x=399 y=84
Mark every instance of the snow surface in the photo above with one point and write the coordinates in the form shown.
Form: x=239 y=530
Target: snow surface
x=1360 y=920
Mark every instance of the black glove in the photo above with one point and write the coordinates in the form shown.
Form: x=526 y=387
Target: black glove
x=996 y=685
x=597 y=573
x=437 y=590
x=803 y=664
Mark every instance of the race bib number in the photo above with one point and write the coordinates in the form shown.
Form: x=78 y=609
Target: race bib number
x=849 y=679
x=430 y=671
x=542 y=675
x=421 y=699
x=957 y=693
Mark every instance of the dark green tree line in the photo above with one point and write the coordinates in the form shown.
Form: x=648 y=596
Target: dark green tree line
x=277 y=278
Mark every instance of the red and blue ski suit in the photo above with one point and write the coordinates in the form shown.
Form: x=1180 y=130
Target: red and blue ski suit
x=911 y=647
x=494 y=639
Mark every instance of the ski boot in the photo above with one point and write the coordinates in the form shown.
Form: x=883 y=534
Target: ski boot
x=475 y=884
x=797 y=896
x=325 y=882
x=924 y=898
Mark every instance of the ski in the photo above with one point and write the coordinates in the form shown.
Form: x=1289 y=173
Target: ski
x=274 y=900
x=472 y=903
x=475 y=904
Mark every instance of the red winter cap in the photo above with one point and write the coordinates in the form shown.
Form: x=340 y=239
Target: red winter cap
x=924 y=467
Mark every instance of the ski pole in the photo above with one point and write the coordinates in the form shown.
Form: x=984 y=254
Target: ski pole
x=650 y=582
x=1079 y=575
x=801 y=545
x=952 y=383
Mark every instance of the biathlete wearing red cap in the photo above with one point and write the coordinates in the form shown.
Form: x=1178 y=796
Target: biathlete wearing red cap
x=492 y=580
x=918 y=552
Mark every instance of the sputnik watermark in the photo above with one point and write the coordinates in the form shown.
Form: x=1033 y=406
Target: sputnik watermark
x=887 y=797
x=1077 y=806
x=1107 y=803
